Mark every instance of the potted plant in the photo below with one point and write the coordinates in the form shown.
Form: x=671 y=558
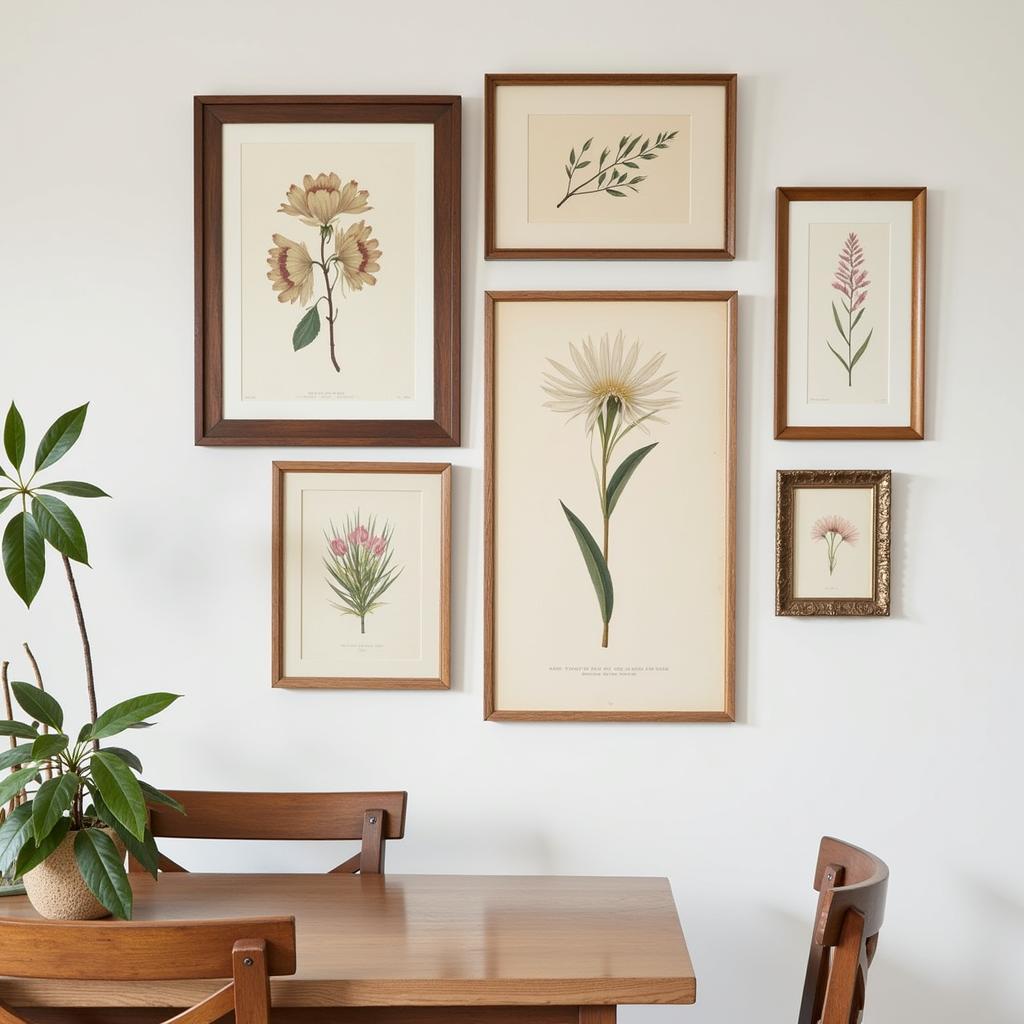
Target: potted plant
x=73 y=809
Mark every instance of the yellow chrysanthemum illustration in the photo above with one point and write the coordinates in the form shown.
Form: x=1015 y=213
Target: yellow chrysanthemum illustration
x=321 y=200
x=358 y=255
x=291 y=270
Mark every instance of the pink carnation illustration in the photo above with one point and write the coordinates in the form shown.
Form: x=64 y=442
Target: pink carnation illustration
x=339 y=547
x=360 y=566
x=851 y=281
x=834 y=531
x=360 y=535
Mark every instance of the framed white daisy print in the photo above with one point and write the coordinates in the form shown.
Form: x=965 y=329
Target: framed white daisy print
x=610 y=506
x=327 y=270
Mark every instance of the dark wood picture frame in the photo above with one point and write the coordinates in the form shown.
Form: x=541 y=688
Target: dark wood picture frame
x=278 y=677
x=912 y=431
x=492 y=251
x=790 y=480
x=211 y=113
x=728 y=711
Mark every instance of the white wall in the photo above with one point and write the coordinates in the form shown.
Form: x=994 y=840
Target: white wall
x=901 y=734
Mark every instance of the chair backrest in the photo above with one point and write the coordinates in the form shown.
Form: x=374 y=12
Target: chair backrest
x=372 y=818
x=851 y=884
x=248 y=950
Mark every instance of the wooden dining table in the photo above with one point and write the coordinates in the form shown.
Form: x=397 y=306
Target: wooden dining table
x=412 y=949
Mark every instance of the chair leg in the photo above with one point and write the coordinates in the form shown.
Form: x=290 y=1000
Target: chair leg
x=252 y=982
x=371 y=858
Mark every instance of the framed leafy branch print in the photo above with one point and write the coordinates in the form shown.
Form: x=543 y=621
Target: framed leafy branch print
x=832 y=541
x=849 y=313
x=610 y=506
x=633 y=166
x=361 y=567
x=327 y=270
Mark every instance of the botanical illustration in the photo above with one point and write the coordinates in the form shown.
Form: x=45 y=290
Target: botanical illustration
x=352 y=263
x=616 y=394
x=610 y=176
x=834 y=531
x=851 y=280
x=360 y=566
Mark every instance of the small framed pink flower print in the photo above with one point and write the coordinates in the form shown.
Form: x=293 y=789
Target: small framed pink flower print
x=832 y=542
x=849 y=314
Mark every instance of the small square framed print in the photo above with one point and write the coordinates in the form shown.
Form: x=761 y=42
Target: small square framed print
x=832 y=541
x=849 y=313
x=361 y=557
x=608 y=167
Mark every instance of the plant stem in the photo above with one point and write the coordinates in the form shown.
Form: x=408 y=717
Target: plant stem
x=90 y=682
x=601 y=170
x=330 y=297
x=849 y=338
x=9 y=707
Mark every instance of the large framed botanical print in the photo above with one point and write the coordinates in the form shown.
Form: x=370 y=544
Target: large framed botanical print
x=622 y=166
x=849 y=313
x=327 y=270
x=610 y=506
x=361 y=568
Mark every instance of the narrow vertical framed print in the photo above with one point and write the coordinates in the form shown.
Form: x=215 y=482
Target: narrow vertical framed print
x=623 y=166
x=327 y=270
x=361 y=571
x=849 y=313
x=610 y=501
x=832 y=541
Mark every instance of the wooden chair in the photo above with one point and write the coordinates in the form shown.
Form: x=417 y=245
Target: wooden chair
x=248 y=950
x=370 y=817
x=851 y=905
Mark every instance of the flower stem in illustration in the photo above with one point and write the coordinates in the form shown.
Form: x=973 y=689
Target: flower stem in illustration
x=851 y=280
x=615 y=396
x=610 y=177
x=834 y=531
x=359 y=565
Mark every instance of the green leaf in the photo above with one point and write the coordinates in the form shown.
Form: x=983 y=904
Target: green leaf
x=155 y=796
x=16 y=829
x=48 y=746
x=595 y=562
x=143 y=850
x=60 y=437
x=14 y=436
x=76 y=488
x=16 y=755
x=634 y=166
x=5 y=501
x=103 y=871
x=604 y=156
x=39 y=705
x=648 y=156
x=24 y=555
x=308 y=328
x=23 y=731
x=612 y=192
x=856 y=319
x=838 y=356
x=84 y=732
x=51 y=801
x=14 y=783
x=60 y=526
x=860 y=351
x=586 y=145
x=35 y=851
x=126 y=755
x=621 y=476
x=572 y=155
x=835 y=316
x=130 y=713
x=120 y=791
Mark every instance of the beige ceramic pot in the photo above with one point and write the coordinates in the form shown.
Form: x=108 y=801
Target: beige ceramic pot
x=56 y=888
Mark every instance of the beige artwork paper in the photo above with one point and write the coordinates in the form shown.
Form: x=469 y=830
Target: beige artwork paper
x=854 y=570
x=669 y=531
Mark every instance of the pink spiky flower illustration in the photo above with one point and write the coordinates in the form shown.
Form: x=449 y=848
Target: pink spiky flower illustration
x=851 y=281
x=834 y=530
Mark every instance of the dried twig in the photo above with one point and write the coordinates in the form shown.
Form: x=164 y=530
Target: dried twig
x=39 y=683
x=9 y=708
x=86 y=646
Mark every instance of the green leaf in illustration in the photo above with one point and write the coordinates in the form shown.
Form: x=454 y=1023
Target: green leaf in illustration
x=586 y=145
x=24 y=555
x=103 y=872
x=572 y=155
x=143 y=850
x=16 y=829
x=613 y=192
x=51 y=801
x=60 y=526
x=837 y=355
x=155 y=796
x=76 y=488
x=20 y=729
x=38 y=705
x=595 y=562
x=49 y=746
x=60 y=436
x=14 y=436
x=16 y=755
x=307 y=329
x=856 y=319
x=14 y=783
x=860 y=351
x=835 y=316
x=35 y=850
x=120 y=791
x=621 y=475
x=129 y=713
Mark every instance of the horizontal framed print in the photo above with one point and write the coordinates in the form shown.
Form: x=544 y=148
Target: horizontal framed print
x=832 y=542
x=327 y=270
x=610 y=506
x=361 y=568
x=849 y=313
x=610 y=166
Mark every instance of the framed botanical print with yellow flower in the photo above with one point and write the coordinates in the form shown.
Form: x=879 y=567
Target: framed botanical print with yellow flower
x=327 y=270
